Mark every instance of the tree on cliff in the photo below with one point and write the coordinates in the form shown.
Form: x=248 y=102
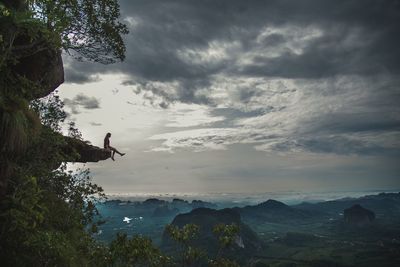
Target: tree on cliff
x=87 y=28
x=46 y=212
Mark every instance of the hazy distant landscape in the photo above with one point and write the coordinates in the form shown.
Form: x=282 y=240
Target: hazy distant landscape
x=240 y=199
x=312 y=233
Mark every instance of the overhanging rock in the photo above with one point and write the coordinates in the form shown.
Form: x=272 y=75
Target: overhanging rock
x=85 y=152
x=45 y=68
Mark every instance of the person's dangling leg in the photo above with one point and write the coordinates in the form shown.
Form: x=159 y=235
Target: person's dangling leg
x=116 y=151
x=112 y=153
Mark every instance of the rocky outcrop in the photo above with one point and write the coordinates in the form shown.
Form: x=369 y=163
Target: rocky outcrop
x=357 y=215
x=44 y=67
x=85 y=152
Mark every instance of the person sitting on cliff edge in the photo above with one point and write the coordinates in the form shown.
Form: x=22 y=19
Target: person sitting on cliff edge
x=110 y=148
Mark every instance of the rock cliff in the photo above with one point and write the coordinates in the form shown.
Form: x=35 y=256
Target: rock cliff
x=44 y=68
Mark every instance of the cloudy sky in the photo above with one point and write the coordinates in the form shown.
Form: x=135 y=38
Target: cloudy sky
x=246 y=96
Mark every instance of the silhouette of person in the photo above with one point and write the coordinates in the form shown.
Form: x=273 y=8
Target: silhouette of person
x=110 y=148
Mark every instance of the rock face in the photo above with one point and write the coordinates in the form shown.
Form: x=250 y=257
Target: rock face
x=357 y=215
x=45 y=68
x=247 y=242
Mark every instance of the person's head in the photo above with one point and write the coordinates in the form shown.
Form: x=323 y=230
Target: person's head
x=108 y=135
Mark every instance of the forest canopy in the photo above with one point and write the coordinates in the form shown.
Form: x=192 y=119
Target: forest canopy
x=89 y=30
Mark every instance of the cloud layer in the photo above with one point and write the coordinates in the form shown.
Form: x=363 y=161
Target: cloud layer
x=315 y=76
x=81 y=101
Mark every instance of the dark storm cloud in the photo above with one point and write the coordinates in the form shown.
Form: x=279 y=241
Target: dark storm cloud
x=355 y=123
x=81 y=101
x=357 y=37
x=346 y=146
x=79 y=77
x=341 y=52
x=355 y=33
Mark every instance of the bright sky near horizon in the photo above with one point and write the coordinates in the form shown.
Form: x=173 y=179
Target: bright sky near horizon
x=255 y=96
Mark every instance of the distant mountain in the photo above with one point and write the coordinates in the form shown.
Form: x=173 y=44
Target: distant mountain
x=384 y=204
x=154 y=202
x=159 y=206
x=202 y=204
x=357 y=215
x=274 y=211
x=270 y=219
x=247 y=241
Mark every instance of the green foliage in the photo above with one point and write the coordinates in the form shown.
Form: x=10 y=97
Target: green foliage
x=43 y=220
x=4 y=12
x=137 y=251
x=18 y=123
x=88 y=27
x=23 y=35
x=191 y=255
x=50 y=111
x=221 y=262
x=47 y=214
x=73 y=131
x=183 y=237
x=226 y=233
